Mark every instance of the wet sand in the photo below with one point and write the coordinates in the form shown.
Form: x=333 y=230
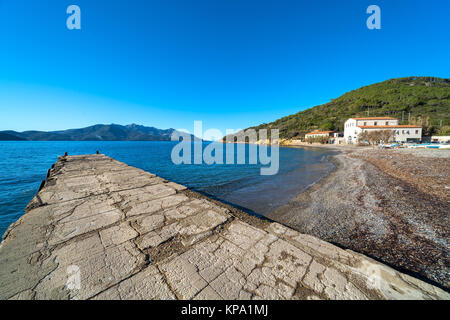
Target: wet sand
x=392 y=205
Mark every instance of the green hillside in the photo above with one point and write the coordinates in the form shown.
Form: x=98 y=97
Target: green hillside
x=424 y=100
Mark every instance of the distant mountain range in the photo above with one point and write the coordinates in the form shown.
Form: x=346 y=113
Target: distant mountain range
x=99 y=132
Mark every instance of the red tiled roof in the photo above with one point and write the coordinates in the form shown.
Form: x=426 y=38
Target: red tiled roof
x=393 y=126
x=375 y=118
x=320 y=132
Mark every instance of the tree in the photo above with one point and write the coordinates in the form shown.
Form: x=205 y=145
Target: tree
x=376 y=136
x=387 y=135
x=364 y=137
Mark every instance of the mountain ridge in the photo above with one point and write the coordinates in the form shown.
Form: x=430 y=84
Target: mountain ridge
x=413 y=100
x=98 y=132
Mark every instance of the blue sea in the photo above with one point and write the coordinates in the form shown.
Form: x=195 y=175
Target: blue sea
x=24 y=164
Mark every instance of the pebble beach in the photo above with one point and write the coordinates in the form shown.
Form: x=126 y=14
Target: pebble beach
x=390 y=204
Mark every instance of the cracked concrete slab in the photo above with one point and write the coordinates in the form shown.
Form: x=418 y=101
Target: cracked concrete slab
x=100 y=229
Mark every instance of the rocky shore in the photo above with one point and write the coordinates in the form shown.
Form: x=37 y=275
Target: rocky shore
x=392 y=205
x=100 y=229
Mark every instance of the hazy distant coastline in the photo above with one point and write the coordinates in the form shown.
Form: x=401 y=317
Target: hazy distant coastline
x=99 y=132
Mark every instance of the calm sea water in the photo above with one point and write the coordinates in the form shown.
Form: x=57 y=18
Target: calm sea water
x=24 y=164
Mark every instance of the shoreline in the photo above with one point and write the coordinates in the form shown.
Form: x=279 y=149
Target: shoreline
x=368 y=209
x=103 y=230
x=17 y=206
x=310 y=196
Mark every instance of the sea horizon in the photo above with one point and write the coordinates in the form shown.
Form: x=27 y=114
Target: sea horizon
x=25 y=163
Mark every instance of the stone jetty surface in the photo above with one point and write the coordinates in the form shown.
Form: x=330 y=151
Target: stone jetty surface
x=100 y=229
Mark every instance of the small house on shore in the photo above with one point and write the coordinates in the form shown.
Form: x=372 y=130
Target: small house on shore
x=326 y=136
x=317 y=134
x=440 y=139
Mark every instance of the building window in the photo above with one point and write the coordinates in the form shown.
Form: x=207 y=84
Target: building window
x=387 y=123
x=375 y=123
x=403 y=131
x=365 y=123
x=417 y=131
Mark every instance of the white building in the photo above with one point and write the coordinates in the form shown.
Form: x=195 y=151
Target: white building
x=316 y=134
x=441 y=139
x=402 y=133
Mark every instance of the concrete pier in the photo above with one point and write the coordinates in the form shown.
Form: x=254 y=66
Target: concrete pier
x=100 y=229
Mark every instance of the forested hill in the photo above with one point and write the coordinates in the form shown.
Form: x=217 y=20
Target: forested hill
x=424 y=100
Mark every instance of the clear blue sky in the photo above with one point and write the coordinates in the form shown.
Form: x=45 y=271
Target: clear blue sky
x=229 y=63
